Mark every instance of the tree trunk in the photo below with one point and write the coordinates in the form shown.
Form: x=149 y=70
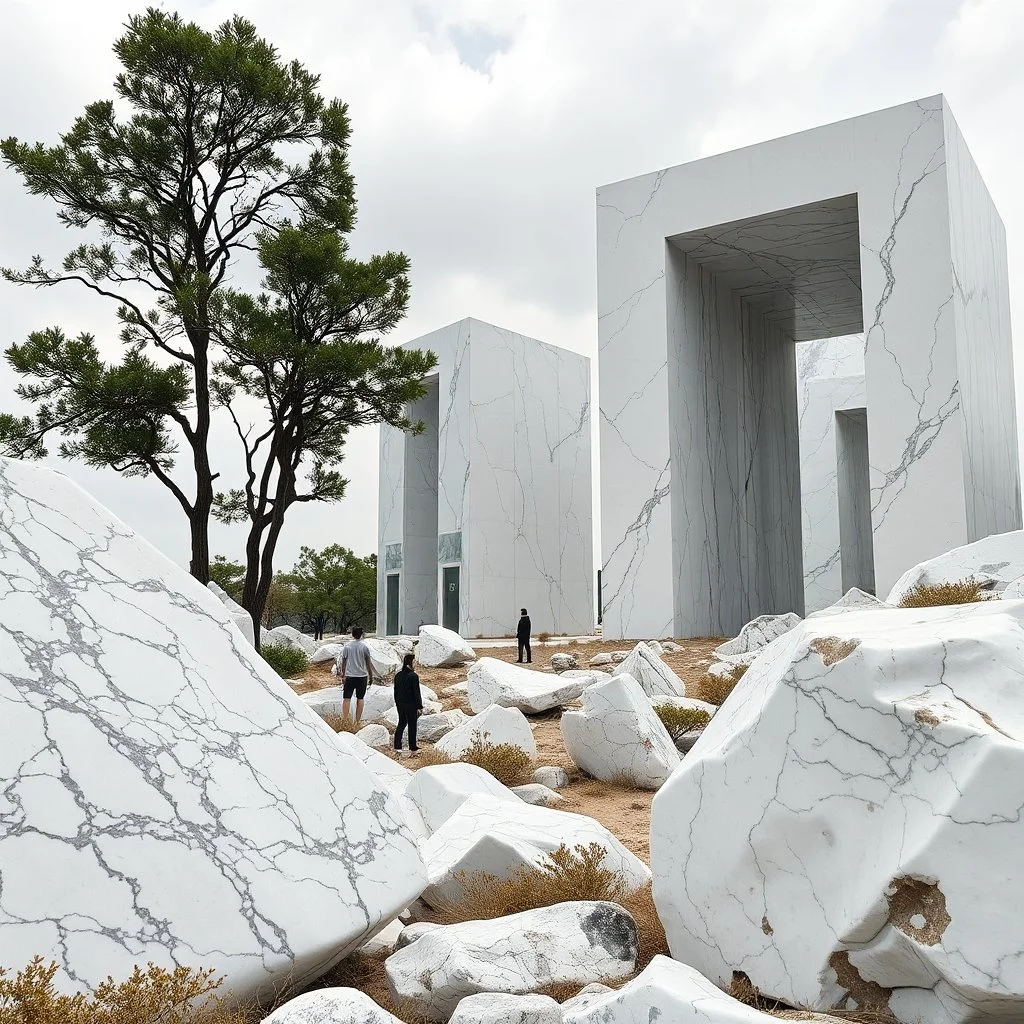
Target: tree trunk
x=199 y=566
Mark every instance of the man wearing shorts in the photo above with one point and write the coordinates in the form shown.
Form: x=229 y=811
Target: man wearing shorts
x=356 y=672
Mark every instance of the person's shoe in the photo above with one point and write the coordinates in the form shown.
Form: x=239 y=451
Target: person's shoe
x=414 y=750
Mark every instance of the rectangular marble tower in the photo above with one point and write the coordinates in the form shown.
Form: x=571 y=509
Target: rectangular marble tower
x=495 y=496
x=708 y=273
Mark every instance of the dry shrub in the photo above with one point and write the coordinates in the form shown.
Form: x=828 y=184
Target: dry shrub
x=339 y=723
x=150 y=996
x=679 y=720
x=714 y=688
x=544 y=637
x=566 y=876
x=429 y=755
x=508 y=763
x=926 y=595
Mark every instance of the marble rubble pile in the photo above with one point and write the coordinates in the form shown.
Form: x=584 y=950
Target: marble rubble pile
x=150 y=760
x=862 y=788
x=493 y=727
x=492 y=681
x=498 y=836
x=996 y=562
x=576 y=943
x=644 y=664
x=442 y=648
x=619 y=736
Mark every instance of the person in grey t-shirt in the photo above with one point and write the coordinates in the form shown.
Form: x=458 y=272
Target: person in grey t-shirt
x=356 y=671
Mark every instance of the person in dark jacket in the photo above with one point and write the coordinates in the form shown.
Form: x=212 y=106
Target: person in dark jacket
x=523 y=637
x=408 y=702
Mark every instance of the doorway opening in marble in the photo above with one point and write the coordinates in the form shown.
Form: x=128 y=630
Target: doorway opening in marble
x=740 y=296
x=419 y=561
x=853 y=475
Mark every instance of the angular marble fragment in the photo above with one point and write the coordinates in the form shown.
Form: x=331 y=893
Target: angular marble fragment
x=618 y=735
x=492 y=681
x=439 y=790
x=167 y=798
x=442 y=648
x=848 y=827
x=574 y=943
x=644 y=664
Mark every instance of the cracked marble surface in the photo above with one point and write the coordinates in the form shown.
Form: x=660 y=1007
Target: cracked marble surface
x=618 y=734
x=513 y=478
x=708 y=273
x=497 y=836
x=570 y=942
x=869 y=761
x=164 y=796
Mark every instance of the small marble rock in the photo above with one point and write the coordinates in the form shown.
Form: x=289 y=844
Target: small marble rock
x=331 y=1006
x=564 y=662
x=644 y=664
x=759 y=632
x=551 y=776
x=586 y=996
x=604 y=658
x=374 y=736
x=570 y=942
x=431 y=728
x=416 y=930
x=494 y=1008
x=538 y=795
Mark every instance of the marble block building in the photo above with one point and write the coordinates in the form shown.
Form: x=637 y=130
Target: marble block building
x=708 y=273
x=490 y=508
x=833 y=470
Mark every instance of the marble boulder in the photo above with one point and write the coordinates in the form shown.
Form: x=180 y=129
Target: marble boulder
x=665 y=990
x=618 y=735
x=862 y=787
x=239 y=616
x=497 y=837
x=374 y=736
x=167 y=798
x=438 y=791
x=757 y=633
x=493 y=727
x=497 y=682
x=574 y=943
x=289 y=636
x=604 y=658
x=432 y=727
x=442 y=648
x=431 y=708
x=644 y=664
x=996 y=562
x=540 y=796
x=331 y=1006
x=326 y=652
x=551 y=776
x=384 y=659
x=495 y=1008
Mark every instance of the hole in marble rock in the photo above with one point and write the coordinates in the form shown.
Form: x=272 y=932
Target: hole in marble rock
x=833 y=649
x=757 y=309
x=866 y=995
x=918 y=909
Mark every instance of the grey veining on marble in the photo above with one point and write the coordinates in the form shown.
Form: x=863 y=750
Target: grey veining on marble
x=393 y=556
x=708 y=274
x=449 y=548
x=512 y=480
x=164 y=796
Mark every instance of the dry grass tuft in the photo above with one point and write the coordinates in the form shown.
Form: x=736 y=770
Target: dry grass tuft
x=567 y=876
x=429 y=755
x=561 y=991
x=714 y=688
x=341 y=724
x=544 y=637
x=926 y=595
x=150 y=996
x=679 y=721
x=509 y=764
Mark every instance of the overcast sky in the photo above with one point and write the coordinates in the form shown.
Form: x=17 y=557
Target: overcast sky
x=483 y=127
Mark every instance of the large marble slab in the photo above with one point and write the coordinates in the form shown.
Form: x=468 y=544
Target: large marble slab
x=165 y=797
x=708 y=273
x=499 y=484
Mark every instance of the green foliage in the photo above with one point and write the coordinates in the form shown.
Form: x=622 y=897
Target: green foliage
x=335 y=584
x=214 y=139
x=680 y=720
x=181 y=996
x=229 y=576
x=287 y=662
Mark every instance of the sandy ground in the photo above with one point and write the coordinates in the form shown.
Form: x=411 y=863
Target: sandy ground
x=623 y=811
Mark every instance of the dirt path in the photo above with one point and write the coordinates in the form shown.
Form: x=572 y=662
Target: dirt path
x=624 y=811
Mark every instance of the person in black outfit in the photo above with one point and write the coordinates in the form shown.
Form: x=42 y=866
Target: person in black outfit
x=523 y=637
x=408 y=702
